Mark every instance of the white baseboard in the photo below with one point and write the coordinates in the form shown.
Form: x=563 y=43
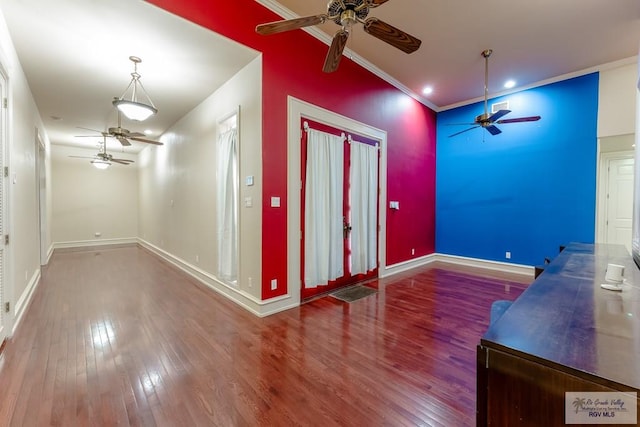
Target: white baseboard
x=506 y=267
x=400 y=267
x=246 y=301
x=23 y=302
x=95 y=243
x=49 y=253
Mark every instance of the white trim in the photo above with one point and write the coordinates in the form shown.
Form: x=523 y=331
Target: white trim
x=285 y=13
x=23 y=302
x=348 y=53
x=243 y=299
x=297 y=110
x=579 y=73
x=401 y=267
x=49 y=252
x=91 y=243
x=602 y=184
x=505 y=267
x=526 y=270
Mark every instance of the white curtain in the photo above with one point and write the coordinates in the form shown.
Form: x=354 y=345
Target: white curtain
x=227 y=205
x=323 y=221
x=363 y=201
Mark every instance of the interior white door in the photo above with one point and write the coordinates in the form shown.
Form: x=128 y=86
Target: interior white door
x=42 y=197
x=619 y=206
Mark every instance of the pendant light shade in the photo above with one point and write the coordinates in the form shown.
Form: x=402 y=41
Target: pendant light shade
x=132 y=107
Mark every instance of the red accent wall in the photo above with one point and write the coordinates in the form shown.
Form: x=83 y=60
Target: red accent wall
x=292 y=65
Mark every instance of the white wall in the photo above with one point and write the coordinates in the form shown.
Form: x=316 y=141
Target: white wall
x=87 y=201
x=177 y=188
x=617 y=101
x=23 y=254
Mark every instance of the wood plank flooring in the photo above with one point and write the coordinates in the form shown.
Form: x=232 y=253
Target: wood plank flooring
x=118 y=337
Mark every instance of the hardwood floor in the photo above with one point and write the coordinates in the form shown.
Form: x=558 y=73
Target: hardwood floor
x=117 y=336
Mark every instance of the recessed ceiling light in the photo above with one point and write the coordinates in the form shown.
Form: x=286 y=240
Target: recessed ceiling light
x=509 y=84
x=427 y=90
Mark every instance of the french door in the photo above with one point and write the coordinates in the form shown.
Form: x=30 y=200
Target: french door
x=345 y=170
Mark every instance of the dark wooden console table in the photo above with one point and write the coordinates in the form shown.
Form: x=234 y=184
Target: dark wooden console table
x=563 y=334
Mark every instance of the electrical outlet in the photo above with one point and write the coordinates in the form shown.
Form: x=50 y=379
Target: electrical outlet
x=197 y=258
x=274 y=284
x=250 y=282
x=97 y=234
x=413 y=251
x=507 y=255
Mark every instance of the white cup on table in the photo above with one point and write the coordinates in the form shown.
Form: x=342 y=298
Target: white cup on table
x=615 y=273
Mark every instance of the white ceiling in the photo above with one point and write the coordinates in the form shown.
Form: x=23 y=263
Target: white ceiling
x=532 y=41
x=75 y=53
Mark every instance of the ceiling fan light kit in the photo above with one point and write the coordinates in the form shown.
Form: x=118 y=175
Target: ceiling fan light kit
x=132 y=108
x=100 y=164
x=346 y=13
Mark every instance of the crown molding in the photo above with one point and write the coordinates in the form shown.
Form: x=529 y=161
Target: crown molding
x=285 y=13
x=583 y=72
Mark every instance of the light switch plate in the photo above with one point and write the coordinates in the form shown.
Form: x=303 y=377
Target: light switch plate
x=275 y=202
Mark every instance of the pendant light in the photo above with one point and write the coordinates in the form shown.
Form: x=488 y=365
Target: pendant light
x=132 y=108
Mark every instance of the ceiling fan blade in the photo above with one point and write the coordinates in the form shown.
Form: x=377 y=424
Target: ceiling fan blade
x=121 y=161
x=376 y=3
x=461 y=124
x=392 y=35
x=334 y=55
x=290 y=24
x=493 y=130
x=123 y=140
x=520 y=119
x=83 y=157
x=131 y=134
x=463 y=131
x=92 y=130
x=495 y=116
x=148 y=141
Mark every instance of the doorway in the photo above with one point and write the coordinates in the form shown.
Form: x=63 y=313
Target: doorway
x=339 y=215
x=297 y=111
x=41 y=194
x=4 y=238
x=615 y=195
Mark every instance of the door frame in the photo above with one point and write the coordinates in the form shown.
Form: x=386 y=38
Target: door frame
x=41 y=195
x=297 y=110
x=601 y=190
x=6 y=282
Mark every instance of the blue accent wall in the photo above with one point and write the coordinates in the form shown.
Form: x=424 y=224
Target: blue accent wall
x=527 y=190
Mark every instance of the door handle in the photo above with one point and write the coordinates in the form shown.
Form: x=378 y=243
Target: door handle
x=346 y=228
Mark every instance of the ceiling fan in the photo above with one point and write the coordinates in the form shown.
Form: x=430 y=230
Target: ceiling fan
x=486 y=120
x=103 y=158
x=121 y=134
x=346 y=13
